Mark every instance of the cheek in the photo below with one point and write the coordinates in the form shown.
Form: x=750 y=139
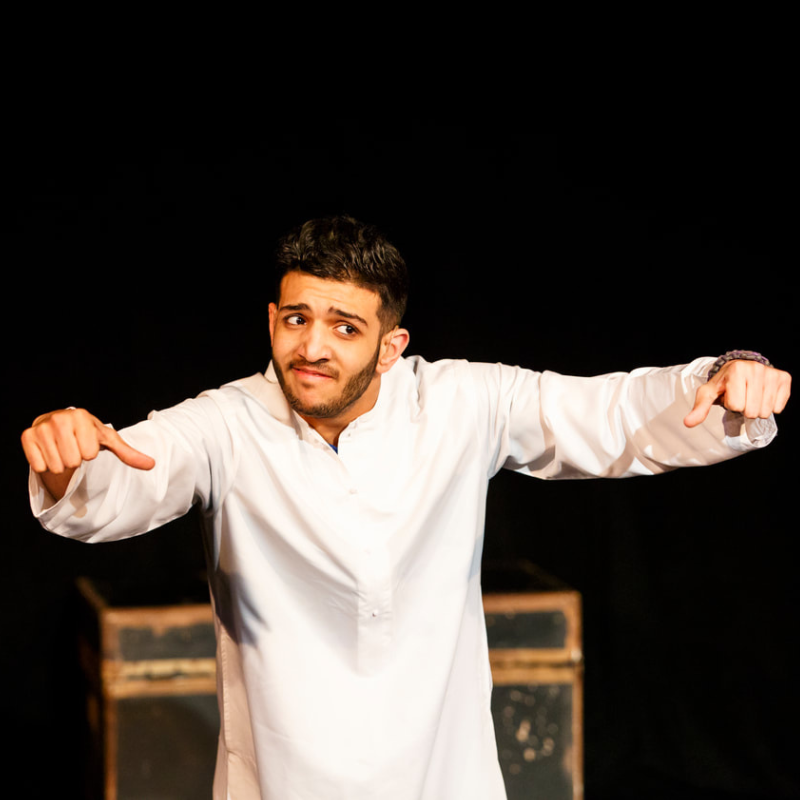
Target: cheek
x=279 y=345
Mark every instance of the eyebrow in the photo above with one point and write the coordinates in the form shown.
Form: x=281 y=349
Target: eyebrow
x=336 y=312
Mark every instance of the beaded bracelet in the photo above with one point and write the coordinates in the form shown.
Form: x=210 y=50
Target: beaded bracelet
x=736 y=355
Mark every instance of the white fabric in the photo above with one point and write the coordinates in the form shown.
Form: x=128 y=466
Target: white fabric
x=352 y=654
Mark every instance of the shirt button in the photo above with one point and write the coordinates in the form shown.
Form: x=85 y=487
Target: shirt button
x=375 y=613
x=353 y=490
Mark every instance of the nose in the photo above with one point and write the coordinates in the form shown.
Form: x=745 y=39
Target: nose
x=314 y=345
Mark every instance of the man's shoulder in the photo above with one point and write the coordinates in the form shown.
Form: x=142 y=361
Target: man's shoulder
x=255 y=393
x=250 y=386
x=447 y=375
x=227 y=399
x=423 y=369
x=453 y=369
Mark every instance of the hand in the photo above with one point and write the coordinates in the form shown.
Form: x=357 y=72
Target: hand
x=57 y=443
x=748 y=387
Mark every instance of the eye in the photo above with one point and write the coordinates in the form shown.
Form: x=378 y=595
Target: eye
x=294 y=319
x=346 y=330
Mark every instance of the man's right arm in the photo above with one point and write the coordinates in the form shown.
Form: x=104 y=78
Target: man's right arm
x=58 y=442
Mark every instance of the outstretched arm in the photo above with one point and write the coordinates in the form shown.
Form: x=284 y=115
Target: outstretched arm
x=751 y=388
x=623 y=424
x=58 y=442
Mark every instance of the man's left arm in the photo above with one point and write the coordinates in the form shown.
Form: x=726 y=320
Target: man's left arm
x=617 y=425
x=749 y=386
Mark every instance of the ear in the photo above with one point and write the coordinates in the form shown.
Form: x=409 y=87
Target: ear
x=392 y=347
x=273 y=317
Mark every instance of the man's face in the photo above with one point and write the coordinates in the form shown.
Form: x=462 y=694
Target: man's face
x=326 y=346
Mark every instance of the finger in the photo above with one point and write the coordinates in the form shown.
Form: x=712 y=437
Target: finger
x=87 y=432
x=704 y=399
x=754 y=387
x=33 y=452
x=46 y=442
x=734 y=392
x=769 y=395
x=112 y=441
x=784 y=391
x=63 y=427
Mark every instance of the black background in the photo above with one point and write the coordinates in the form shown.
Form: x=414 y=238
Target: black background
x=640 y=237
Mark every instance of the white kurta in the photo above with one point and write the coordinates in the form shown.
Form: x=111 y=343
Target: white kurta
x=352 y=654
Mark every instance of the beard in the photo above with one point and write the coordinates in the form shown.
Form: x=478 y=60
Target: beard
x=354 y=388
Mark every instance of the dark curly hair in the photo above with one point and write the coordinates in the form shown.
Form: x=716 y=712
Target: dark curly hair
x=344 y=249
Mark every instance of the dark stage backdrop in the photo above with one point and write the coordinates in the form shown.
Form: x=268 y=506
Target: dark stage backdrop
x=142 y=258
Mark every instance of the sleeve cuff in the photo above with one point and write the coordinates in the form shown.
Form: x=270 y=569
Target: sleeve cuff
x=43 y=504
x=748 y=434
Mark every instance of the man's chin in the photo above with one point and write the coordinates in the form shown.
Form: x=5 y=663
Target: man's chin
x=308 y=406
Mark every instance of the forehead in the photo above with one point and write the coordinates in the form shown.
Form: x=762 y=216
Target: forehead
x=322 y=296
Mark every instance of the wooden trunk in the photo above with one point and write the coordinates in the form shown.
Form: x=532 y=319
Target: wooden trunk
x=535 y=650
x=151 y=695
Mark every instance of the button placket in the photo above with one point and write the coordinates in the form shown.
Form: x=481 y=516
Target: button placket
x=375 y=608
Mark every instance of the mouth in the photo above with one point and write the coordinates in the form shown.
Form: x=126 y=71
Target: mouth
x=311 y=373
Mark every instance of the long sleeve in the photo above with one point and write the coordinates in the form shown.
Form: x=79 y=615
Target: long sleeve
x=616 y=425
x=108 y=500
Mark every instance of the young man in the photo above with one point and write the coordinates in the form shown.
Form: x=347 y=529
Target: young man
x=344 y=495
